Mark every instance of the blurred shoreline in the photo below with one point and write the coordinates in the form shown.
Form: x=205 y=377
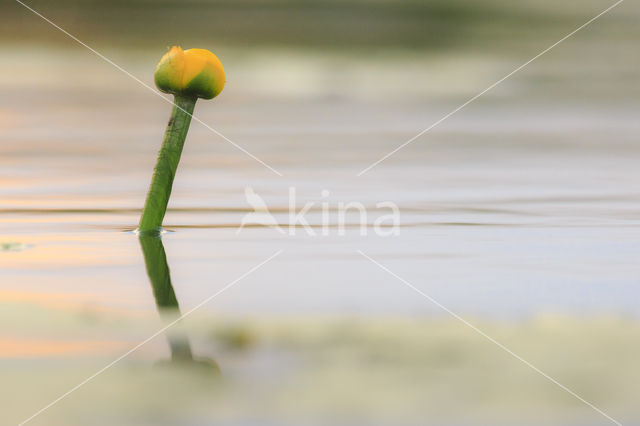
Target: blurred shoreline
x=351 y=25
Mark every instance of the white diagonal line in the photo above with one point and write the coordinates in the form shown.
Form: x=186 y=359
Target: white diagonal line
x=485 y=335
x=389 y=154
x=148 y=339
x=149 y=87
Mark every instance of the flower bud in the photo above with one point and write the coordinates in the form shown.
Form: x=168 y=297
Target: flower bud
x=193 y=72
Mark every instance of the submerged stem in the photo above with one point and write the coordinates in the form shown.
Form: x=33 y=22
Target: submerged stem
x=168 y=158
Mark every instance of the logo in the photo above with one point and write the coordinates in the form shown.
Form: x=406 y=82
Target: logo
x=331 y=218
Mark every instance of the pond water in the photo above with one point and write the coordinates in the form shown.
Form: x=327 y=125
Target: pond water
x=519 y=213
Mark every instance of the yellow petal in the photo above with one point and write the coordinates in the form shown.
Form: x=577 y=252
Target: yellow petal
x=195 y=61
x=193 y=72
x=170 y=69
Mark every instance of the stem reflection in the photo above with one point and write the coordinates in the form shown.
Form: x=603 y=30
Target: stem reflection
x=155 y=260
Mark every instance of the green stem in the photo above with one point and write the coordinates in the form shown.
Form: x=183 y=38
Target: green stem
x=155 y=260
x=168 y=158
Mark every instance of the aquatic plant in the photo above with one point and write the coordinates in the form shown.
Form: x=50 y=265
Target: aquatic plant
x=155 y=259
x=188 y=75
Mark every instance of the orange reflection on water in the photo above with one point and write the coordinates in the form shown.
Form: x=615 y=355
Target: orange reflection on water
x=32 y=348
x=72 y=250
x=57 y=300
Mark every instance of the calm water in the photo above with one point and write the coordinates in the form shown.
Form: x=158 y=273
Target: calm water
x=520 y=213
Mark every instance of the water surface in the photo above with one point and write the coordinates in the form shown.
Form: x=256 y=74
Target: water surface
x=519 y=213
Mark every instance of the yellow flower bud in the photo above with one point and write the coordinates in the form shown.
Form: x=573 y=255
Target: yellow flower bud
x=193 y=72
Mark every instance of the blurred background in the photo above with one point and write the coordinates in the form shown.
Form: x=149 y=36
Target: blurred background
x=519 y=212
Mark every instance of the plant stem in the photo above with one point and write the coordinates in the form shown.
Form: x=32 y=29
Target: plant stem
x=168 y=158
x=155 y=260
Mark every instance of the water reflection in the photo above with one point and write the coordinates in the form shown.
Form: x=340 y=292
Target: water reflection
x=157 y=266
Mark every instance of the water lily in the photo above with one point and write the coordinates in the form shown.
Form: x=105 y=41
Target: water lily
x=192 y=72
x=188 y=75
